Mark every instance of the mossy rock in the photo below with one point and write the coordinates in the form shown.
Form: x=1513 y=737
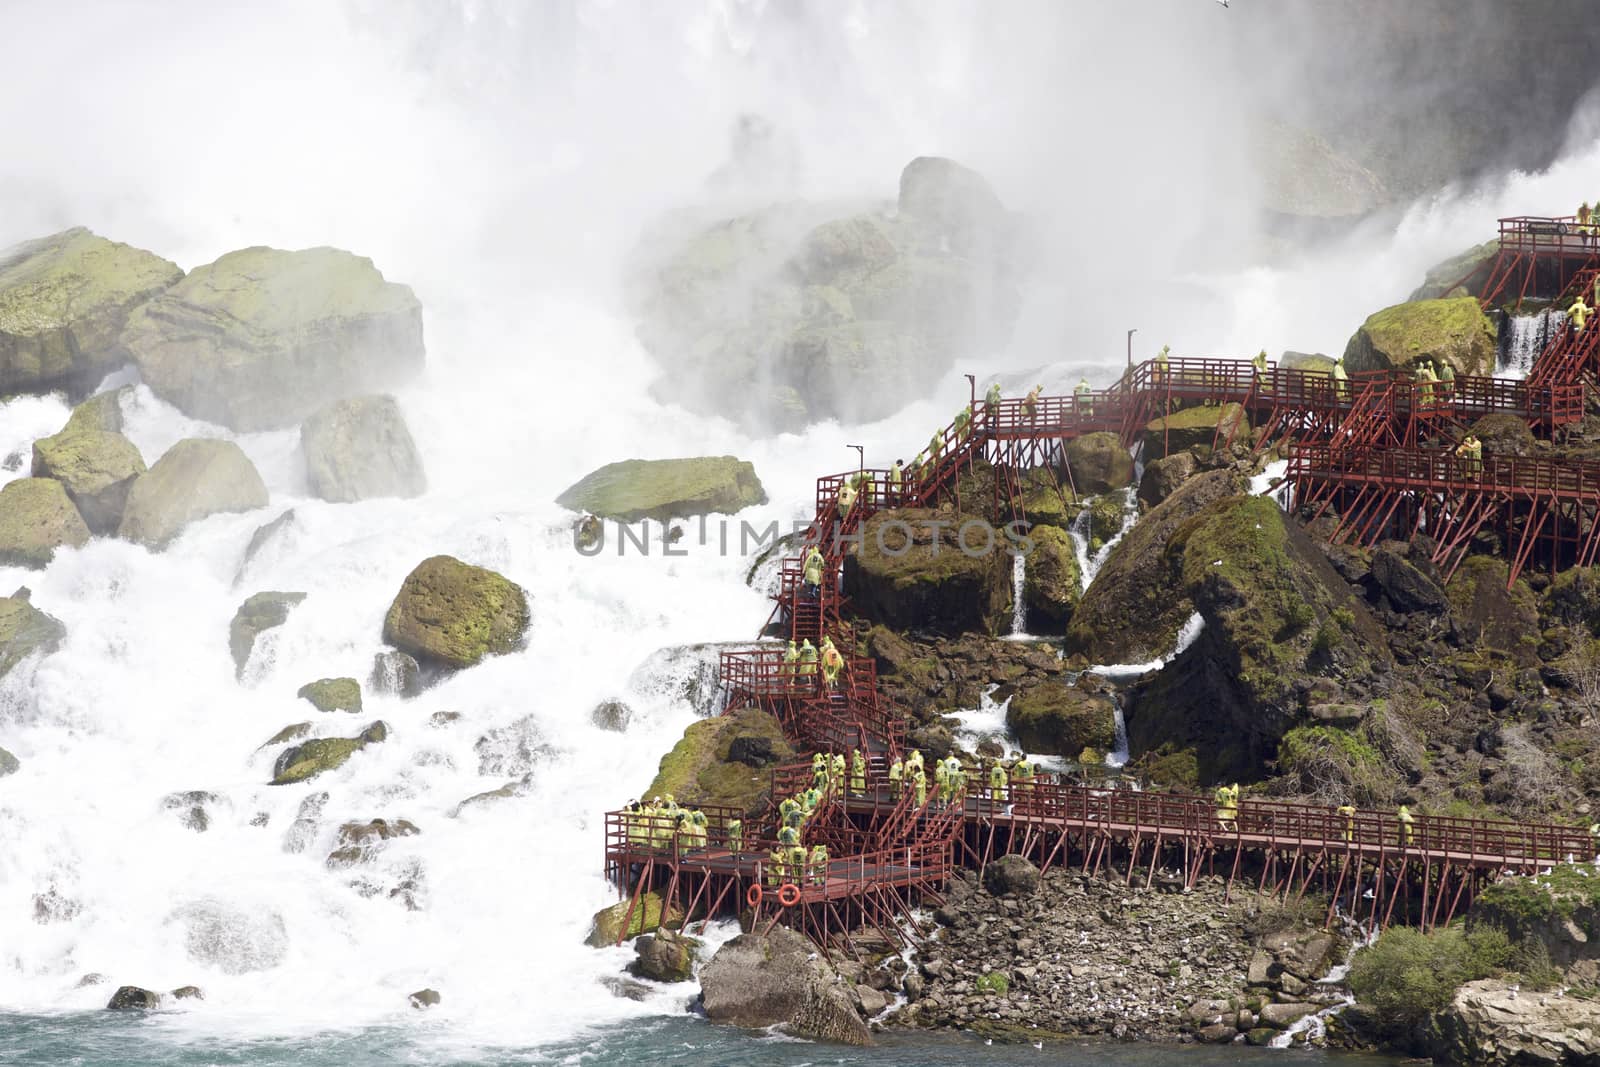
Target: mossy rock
x=1047 y=500
x=700 y=770
x=322 y=754
x=96 y=467
x=293 y=732
x=1164 y=476
x=360 y=448
x=1106 y=514
x=25 y=630
x=1307 y=362
x=1060 y=720
x=1099 y=463
x=910 y=575
x=36 y=518
x=1195 y=427
x=9 y=764
x=1467 y=271
x=63 y=302
x=259 y=613
x=612 y=924
x=332 y=694
x=103 y=412
x=1453 y=331
x=195 y=478
x=1051 y=585
x=1133 y=610
x=1505 y=434
x=262 y=338
x=663 y=489
x=1573 y=599
x=1489 y=615
x=452 y=614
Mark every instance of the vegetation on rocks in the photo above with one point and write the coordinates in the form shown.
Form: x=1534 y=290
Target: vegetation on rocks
x=663 y=489
x=262 y=338
x=332 y=694
x=63 y=302
x=25 y=631
x=609 y=927
x=1453 y=331
x=193 y=479
x=701 y=768
x=1056 y=719
x=36 y=518
x=1052 y=581
x=103 y=412
x=911 y=574
x=452 y=614
x=1407 y=975
x=1196 y=427
x=322 y=754
x=96 y=467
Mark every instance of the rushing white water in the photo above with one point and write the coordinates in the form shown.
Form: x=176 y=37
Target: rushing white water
x=1118 y=756
x=1522 y=338
x=1187 y=634
x=1263 y=483
x=1019 y=606
x=1082 y=536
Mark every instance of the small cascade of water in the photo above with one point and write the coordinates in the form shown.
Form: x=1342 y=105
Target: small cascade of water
x=1081 y=533
x=1118 y=756
x=1315 y=1025
x=1186 y=636
x=1019 y=609
x=1522 y=338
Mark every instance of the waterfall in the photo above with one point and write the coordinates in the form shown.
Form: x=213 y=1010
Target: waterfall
x=1118 y=755
x=1082 y=534
x=1522 y=338
x=1019 y=609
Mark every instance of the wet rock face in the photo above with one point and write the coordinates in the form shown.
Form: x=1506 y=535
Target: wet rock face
x=132 y=998
x=332 y=694
x=314 y=757
x=665 y=956
x=664 y=489
x=193 y=479
x=96 y=468
x=910 y=574
x=451 y=614
x=395 y=673
x=779 y=979
x=258 y=614
x=360 y=449
x=262 y=338
x=63 y=302
x=25 y=631
x=1491 y=1022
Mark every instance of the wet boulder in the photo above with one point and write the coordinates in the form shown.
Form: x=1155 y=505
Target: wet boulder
x=924 y=570
x=779 y=979
x=1453 y=331
x=612 y=715
x=701 y=767
x=361 y=448
x=96 y=468
x=1200 y=426
x=9 y=764
x=1058 y=719
x=1099 y=463
x=191 y=808
x=102 y=412
x=63 y=302
x=1051 y=580
x=262 y=338
x=424 y=998
x=395 y=673
x=665 y=956
x=614 y=924
x=1408 y=587
x=36 y=518
x=1011 y=874
x=133 y=998
x=193 y=479
x=332 y=694
x=25 y=631
x=452 y=614
x=322 y=754
x=663 y=489
x=259 y=613
x=1164 y=476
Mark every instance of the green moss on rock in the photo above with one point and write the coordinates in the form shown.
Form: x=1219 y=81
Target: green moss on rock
x=36 y=518
x=1099 y=463
x=613 y=924
x=698 y=769
x=259 y=613
x=24 y=631
x=1061 y=720
x=261 y=338
x=103 y=411
x=96 y=467
x=194 y=479
x=453 y=614
x=1453 y=331
x=63 y=302
x=910 y=575
x=1051 y=584
x=1196 y=426
x=323 y=754
x=332 y=694
x=663 y=489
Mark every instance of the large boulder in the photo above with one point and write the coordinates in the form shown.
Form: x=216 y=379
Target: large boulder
x=1493 y=1023
x=1196 y=426
x=1308 y=362
x=779 y=979
x=360 y=448
x=1453 y=331
x=665 y=956
x=96 y=467
x=613 y=925
x=194 y=478
x=801 y=312
x=332 y=694
x=25 y=630
x=1505 y=434
x=1164 y=476
x=704 y=766
x=1275 y=614
x=1011 y=874
x=1134 y=608
x=663 y=489
x=452 y=614
x=1056 y=719
x=322 y=754
x=1099 y=463
x=36 y=518
x=262 y=338
x=911 y=574
x=1467 y=271
x=1051 y=582
x=103 y=411
x=259 y=613
x=63 y=302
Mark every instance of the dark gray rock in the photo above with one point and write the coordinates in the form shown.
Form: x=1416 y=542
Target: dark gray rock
x=780 y=980
x=1011 y=874
x=665 y=956
x=1406 y=586
x=395 y=673
x=425 y=998
x=753 y=750
x=132 y=998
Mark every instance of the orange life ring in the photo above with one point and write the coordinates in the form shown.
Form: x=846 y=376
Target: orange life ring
x=789 y=895
x=753 y=897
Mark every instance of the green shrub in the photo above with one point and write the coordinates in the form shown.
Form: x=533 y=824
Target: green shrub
x=1335 y=765
x=994 y=982
x=1406 y=975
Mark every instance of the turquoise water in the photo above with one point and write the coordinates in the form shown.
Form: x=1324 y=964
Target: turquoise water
x=102 y=1040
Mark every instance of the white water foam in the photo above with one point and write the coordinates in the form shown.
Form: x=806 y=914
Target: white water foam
x=1019 y=606
x=1525 y=337
x=1089 y=566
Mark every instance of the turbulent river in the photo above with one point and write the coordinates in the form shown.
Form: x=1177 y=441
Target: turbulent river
x=442 y=150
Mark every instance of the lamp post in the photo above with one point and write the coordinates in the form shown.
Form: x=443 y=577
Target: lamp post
x=972 y=389
x=1130 y=344
x=861 y=458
